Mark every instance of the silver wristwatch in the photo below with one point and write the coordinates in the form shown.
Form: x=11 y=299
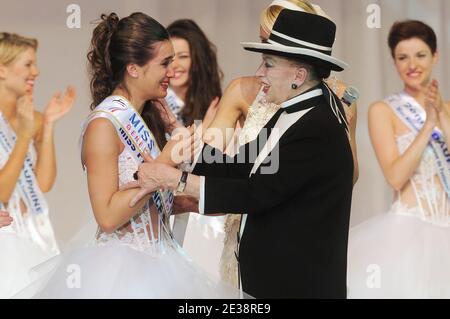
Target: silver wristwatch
x=182 y=183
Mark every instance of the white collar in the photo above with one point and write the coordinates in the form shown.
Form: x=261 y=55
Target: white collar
x=302 y=97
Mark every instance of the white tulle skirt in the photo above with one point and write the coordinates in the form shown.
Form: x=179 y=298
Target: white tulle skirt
x=17 y=256
x=116 y=270
x=395 y=256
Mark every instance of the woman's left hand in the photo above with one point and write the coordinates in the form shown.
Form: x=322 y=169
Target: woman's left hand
x=433 y=96
x=434 y=99
x=59 y=105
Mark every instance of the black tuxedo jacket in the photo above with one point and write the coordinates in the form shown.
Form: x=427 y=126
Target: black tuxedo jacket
x=294 y=244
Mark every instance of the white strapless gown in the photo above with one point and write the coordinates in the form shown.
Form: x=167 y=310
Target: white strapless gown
x=19 y=251
x=406 y=252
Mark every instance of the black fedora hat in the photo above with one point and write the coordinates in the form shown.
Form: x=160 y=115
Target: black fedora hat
x=299 y=34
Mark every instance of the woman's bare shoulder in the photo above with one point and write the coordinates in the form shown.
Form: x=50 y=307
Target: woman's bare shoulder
x=380 y=109
x=100 y=130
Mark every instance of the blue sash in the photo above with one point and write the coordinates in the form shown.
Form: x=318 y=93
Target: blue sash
x=413 y=116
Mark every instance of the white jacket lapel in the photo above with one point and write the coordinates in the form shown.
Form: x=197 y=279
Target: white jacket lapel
x=285 y=121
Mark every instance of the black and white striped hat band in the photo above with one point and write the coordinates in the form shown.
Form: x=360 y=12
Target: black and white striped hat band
x=282 y=39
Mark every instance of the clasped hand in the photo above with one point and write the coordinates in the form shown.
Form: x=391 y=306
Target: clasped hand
x=152 y=174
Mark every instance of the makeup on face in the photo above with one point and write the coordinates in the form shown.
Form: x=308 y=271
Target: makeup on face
x=414 y=61
x=182 y=63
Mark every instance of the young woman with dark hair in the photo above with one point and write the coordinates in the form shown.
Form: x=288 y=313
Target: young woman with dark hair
x=197 y=79
x=133 y=254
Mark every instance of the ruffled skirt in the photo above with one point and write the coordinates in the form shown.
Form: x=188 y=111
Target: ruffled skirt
x=395 y=256
x=116 y=270
x=17 y=256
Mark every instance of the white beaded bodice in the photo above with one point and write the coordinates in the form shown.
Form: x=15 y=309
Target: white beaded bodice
x=138 y=233
x=431 y=201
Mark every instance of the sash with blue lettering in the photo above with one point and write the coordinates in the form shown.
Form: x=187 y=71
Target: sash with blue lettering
x=414 y=116
x=137 y=138
x=38 y=225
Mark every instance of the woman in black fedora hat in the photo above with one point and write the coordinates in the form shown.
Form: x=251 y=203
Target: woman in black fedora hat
x=244 y=106
x=296 y=189
x=253 y=107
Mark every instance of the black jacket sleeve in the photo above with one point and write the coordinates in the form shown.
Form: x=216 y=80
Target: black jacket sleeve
x=213 y=163
x=301 y=163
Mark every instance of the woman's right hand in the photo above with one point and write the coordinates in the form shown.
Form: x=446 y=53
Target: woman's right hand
x=5 y=219
x=167 y=116
x=181 y=147
x=25 y=115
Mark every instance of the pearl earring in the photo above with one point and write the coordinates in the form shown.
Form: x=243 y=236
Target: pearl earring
x=294 y=86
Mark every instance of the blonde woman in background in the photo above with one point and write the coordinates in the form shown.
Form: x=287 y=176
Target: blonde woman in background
x=27 y=163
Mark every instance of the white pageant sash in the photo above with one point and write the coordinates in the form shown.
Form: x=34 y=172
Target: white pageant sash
x=413 y=116
x=137 y=138
x=180 y=221
x=27 y=188
x=175 y=104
